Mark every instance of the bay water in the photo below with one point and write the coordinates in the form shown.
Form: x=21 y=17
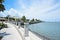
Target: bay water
x=48 y=29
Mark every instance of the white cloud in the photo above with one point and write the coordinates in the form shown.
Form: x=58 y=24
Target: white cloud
x=43 y=9
x=40 y=8
x=12 y=12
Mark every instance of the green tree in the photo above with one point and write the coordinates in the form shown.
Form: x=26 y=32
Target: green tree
x=8 y=17
x=37 y=20
x=32 y=20
x=2 y=8
x=23 y=18
x=1 y=1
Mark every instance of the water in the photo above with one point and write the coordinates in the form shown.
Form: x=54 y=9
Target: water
x=48 y=29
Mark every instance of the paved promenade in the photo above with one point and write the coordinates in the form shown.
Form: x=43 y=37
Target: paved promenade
x=16 y=33
x=31 y=36
x=12 y=33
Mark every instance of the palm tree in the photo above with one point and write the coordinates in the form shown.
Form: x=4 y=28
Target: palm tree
x=2 y=8
x=1 y=1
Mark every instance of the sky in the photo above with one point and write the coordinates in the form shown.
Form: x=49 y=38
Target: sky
x=46 y=10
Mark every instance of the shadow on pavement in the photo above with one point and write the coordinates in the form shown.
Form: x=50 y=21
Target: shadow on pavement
x=4 y=34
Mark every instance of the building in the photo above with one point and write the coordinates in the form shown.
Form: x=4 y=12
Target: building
x=3 y=19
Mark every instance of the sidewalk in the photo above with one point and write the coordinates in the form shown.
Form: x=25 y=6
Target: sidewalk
x=31 y=36
x=15 y=33
x=12 y=33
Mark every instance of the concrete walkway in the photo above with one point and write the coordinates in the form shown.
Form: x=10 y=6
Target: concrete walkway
x=31 y=36
x=16 y=33
x=12 y=32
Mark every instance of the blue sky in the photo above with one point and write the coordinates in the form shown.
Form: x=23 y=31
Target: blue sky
x=46 y=10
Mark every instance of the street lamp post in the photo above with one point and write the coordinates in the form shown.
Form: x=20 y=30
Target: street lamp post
x=19 y=24
x=26 y=31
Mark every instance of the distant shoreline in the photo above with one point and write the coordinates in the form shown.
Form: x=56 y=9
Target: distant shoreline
x=35 y=22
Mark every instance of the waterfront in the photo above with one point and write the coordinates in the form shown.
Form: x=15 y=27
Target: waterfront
x=48 y=29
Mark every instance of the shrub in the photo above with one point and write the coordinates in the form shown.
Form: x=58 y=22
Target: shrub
x=1 y=37
x=2 y=26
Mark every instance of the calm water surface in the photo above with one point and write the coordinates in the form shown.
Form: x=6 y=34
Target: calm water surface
x=48 y=29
